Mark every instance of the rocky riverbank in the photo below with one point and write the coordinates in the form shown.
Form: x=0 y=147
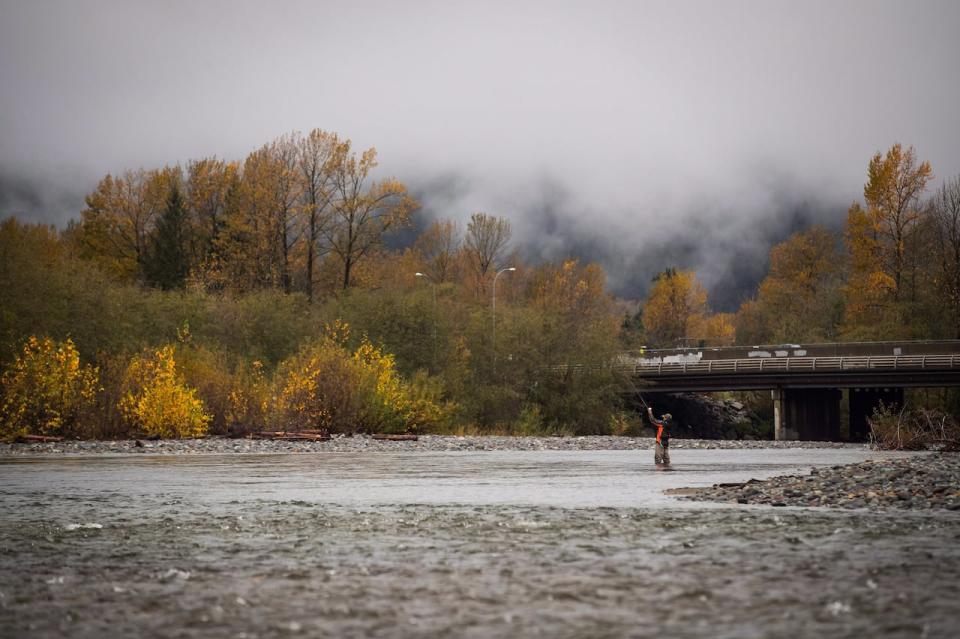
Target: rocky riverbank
x=919 y=482
x=362 y=443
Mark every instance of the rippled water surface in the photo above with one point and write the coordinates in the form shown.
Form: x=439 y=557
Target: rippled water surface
x=493 y=544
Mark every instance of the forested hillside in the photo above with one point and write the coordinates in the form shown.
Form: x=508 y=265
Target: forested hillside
x=224 y=296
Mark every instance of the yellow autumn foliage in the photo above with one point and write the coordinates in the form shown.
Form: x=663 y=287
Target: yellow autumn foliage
x=158 y=402
x=870 y=290
x=801 y=298
x=326 y=386
x=46 y=390
x=249 y=399
x=676 y=308
x=719 y=329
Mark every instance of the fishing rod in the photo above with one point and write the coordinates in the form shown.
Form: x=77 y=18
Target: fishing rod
x=639 y=394
x=642 y=401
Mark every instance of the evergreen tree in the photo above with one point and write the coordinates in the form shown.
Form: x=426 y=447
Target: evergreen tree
x=167 y=261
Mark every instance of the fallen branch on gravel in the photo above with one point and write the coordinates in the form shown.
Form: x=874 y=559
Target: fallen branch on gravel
x=299 y=435
x=737 y=484
x=39 y=438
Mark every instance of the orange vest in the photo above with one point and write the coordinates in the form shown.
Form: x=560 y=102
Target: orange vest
x=660 y=432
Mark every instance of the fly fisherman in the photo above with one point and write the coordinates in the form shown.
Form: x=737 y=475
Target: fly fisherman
x=661 y=450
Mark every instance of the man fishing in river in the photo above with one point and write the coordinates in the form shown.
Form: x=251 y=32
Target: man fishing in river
x=661 y=449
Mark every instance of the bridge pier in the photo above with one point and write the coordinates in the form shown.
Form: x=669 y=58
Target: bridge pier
x=863 y=401
x=807 y=414
x=779 y=430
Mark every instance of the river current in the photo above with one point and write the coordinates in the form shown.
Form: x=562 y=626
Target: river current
x=484 y=544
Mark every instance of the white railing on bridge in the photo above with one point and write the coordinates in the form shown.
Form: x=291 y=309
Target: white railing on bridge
x=796 y=365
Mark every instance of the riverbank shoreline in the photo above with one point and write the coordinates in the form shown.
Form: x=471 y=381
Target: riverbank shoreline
x=919 y=482
x=364 y=443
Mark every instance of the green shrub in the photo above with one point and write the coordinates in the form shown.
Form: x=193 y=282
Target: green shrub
x=624 y=424
x=110 y=422
x=208 y=372
x=249 y=400
x=530 y=422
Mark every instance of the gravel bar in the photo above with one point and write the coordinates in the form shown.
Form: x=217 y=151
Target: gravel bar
x=362 y=443
x=921 y=482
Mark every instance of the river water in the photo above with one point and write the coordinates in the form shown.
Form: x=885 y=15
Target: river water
x=488 y=544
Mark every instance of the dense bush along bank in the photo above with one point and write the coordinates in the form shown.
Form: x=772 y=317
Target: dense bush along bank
x=894 y=428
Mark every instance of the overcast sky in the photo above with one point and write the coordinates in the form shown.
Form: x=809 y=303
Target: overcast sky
x=640 y=134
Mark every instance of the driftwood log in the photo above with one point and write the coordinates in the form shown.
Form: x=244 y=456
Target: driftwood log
x=298 y=435
x=39 y=438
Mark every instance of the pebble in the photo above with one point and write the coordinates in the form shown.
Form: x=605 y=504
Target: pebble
x=921 y=482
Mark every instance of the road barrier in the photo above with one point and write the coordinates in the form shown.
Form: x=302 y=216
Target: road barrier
x=794 y=364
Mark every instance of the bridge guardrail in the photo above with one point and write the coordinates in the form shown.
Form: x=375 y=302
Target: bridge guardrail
x=797 y=365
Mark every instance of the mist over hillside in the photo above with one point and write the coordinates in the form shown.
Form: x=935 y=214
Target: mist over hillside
x=693 y=135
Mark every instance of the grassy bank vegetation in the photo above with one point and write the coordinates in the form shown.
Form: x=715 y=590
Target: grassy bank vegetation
x=223 y=297
x=896 y=428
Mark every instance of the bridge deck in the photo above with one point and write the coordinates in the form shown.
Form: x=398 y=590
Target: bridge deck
x=796 y=372
x=798 y=364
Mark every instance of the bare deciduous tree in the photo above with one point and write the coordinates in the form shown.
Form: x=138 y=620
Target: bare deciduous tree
x=362 y=212
x=945 y=210
x=315 y=159
x=487 y=239
x=438 y=246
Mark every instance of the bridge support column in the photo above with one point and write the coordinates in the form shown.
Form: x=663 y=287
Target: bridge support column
x=779 y=429
x=811 y=414
x=863 y=401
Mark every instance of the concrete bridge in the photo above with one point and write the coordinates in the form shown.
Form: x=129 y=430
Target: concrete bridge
x=806 y=381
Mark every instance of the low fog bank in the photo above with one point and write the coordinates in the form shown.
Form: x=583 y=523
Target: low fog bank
x=42 y=199
x=726 y=241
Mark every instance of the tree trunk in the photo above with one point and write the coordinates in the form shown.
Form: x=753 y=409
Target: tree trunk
x=285 y=265
x=346 y=272
x=311 y=247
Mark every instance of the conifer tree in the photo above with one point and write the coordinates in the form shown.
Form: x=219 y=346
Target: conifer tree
x=167 y=261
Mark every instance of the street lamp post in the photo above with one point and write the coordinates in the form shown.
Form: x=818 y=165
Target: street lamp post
x=434 y=285
x=494 y=332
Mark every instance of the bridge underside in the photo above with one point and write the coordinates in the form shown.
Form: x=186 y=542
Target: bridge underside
x=686 y=383
x=810 y=410
x=807 y=390
x=813 y=414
